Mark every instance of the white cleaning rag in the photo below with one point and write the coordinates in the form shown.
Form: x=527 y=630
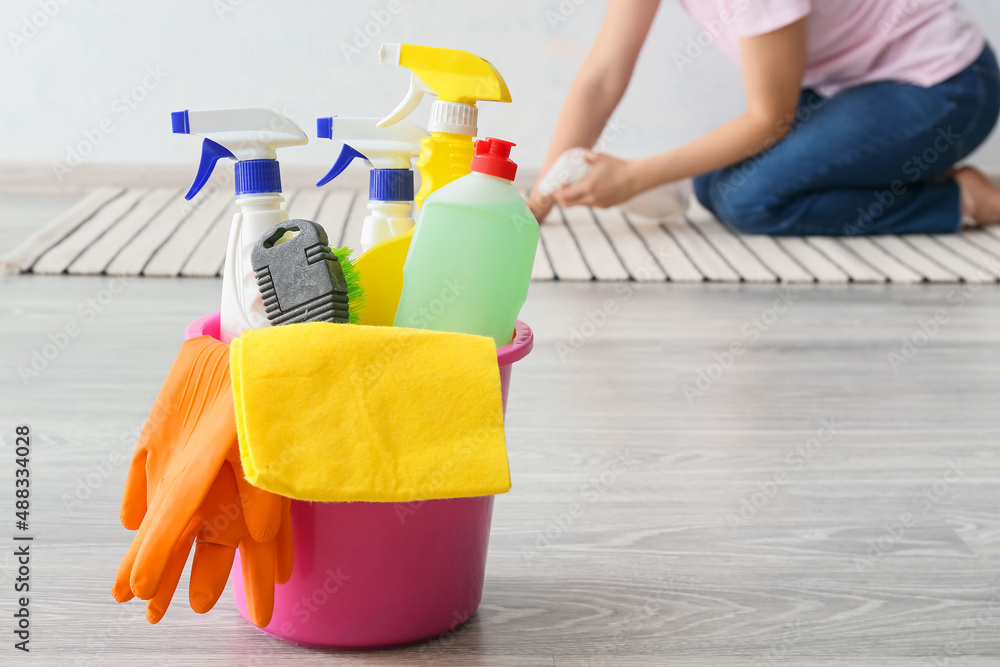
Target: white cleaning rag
x=660 y=202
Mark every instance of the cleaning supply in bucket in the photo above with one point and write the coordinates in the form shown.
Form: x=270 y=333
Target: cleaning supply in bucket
x=393 y=414
x=411 y=564
x=185 y=483
x=250 y=136
x=389 y=151
x=469 y=264
x=459 y=79
x=659 y=202
x=302 y=279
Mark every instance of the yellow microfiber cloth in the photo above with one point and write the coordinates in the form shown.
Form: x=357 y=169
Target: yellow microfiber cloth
x=342 y=412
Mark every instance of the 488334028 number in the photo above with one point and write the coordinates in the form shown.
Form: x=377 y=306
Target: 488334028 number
x=22 y=475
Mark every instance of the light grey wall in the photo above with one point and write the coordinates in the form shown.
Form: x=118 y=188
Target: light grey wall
x=77 y=73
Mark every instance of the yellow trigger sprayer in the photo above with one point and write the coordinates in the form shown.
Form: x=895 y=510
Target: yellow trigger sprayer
x=458 y=79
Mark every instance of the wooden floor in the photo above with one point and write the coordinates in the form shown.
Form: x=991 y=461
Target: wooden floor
x=803 y=502
x=154 y=232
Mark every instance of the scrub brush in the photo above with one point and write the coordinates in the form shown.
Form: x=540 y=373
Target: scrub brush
x=302 y=279
x=352 y=277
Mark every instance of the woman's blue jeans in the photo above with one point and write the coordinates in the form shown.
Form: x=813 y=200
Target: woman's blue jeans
x=873 y=159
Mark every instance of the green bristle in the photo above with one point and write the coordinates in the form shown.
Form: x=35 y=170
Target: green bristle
x=355 y=292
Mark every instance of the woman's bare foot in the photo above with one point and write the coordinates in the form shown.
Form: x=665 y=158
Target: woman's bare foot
x=980 y=198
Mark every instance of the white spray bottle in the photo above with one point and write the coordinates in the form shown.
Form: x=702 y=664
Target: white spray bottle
x=250 y=136
x=390 y=152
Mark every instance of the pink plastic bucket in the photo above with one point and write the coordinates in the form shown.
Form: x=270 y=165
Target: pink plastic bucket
x=380 y=574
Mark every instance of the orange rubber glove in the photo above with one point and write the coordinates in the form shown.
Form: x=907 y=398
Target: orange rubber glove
x=219 y=528
x=185 y=483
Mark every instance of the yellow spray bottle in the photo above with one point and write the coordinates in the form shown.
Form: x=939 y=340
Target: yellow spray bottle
x=459 y=80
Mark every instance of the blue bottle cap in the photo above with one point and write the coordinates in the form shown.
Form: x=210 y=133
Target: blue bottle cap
x=390 y=185
x=257 y=176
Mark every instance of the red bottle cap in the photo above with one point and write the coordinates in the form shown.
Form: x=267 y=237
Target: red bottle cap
x=492 y=157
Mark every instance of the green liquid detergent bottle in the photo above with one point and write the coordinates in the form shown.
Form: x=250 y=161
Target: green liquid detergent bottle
x=469 y=264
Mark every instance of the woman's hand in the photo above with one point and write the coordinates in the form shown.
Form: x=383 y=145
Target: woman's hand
x=610 y=181
x=540 y=205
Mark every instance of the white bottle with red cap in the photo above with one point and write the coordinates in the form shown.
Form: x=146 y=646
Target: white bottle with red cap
x=469 y=263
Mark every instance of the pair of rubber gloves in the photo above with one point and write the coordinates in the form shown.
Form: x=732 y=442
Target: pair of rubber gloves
x=185 y=485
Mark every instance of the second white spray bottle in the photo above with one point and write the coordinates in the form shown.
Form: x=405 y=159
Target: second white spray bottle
x=389 y=151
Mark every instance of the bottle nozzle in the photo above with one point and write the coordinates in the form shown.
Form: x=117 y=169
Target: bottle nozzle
x=454 y=77
x=493 y=157
x=385 y=148
x=324 y=127
x=250 y=136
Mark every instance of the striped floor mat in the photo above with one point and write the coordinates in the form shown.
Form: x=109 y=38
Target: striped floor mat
x=154 y=232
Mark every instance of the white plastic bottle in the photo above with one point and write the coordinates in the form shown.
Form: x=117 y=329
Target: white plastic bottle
x=250 y=136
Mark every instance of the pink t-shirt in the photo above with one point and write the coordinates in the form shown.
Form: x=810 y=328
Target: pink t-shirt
x=852 y=42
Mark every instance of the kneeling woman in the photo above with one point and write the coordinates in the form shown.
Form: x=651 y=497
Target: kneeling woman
x=857 y=113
